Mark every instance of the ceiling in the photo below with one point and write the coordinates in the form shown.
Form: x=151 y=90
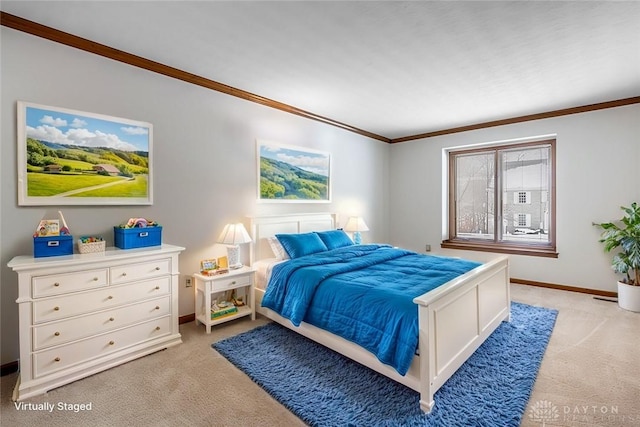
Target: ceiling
x=392 y=68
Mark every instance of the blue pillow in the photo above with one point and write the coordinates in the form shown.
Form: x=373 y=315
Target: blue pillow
x=335 y=238
x=298 y=245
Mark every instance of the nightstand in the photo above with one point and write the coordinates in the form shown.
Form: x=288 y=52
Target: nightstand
x=240 y=280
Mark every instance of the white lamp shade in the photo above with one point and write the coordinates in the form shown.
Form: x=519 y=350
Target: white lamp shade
x=234 y=234
x=356 y=223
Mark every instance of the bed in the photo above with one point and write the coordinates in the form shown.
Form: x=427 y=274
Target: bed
x=453 y=319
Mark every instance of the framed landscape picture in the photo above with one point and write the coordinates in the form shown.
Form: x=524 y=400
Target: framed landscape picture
x=293 y=174
x=68 y=157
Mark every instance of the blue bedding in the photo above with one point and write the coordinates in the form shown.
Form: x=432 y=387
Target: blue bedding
x=363 y=293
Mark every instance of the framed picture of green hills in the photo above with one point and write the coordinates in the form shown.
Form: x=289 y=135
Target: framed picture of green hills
x=291 y=174
x=69 y=157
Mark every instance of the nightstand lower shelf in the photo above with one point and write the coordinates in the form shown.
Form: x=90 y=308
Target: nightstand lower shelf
x=242 y=311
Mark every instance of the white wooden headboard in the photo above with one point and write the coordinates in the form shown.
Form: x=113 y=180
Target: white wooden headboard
x=262 y=227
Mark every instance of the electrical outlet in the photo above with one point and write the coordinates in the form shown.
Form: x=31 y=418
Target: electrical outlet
x=188 y=282
x=427 y=248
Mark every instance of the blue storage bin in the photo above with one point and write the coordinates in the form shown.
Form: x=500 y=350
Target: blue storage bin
x=52 y=246
x=137 y=237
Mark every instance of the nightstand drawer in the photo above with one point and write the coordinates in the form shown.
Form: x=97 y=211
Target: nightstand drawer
x=56 y=284
x=87 y=302
x=59 y=358
x=143 y=270
x=231 y=282
x=61 y=332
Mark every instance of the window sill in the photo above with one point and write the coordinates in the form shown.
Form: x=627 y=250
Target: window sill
x=548 y=252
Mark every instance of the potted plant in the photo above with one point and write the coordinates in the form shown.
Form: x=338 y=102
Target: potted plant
x=625 y=235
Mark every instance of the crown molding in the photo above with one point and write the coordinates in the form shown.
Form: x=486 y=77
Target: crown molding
x=39 y=30
x=527 y=118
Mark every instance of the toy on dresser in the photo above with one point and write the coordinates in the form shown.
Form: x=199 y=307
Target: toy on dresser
x=137 y=233
x=49 y=239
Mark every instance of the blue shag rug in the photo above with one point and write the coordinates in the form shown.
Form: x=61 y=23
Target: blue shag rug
x=324 y=388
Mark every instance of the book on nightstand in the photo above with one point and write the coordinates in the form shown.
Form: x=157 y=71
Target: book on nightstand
x=223 y=312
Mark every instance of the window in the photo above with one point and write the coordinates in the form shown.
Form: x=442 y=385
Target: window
x=502 y=199
x=523 y=220
x=522 y=197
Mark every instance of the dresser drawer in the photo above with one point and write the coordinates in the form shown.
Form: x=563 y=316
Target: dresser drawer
x=64 y=331
x=231 y=282
x=87 y=302
x=56 y=284
x=54 y=359
x=143 y=270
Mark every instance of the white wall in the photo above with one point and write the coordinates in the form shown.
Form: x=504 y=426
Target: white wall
x=204 y=158
x=598 y=154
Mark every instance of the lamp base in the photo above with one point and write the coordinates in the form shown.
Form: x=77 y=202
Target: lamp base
x=357 y=237
x=233 y=255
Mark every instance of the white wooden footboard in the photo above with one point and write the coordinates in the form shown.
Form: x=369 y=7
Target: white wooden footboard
x=455 y=319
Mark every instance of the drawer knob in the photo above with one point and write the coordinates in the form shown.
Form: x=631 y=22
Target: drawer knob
x=157 y=287
x=111 y=319
x=124 y=273
x=57 y=359
x=233 y=283
x=112 y=342
x=56 y=308
x=109 y=297
x=157 y=268
x=95 y=279
x=157 y=307
x=157 y=328
x=57 y=334
x=56 y=284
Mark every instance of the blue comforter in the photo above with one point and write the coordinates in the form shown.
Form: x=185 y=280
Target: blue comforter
x=363 y=293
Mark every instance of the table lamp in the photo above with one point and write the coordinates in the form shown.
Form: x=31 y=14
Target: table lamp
x=356 y=224
x=234 y=235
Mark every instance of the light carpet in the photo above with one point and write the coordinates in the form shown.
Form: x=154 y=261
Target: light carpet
x=324 y=388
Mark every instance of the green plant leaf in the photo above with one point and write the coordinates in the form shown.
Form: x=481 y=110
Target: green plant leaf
x=625 y=237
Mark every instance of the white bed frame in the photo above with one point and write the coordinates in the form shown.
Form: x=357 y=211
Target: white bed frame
x=454 y=319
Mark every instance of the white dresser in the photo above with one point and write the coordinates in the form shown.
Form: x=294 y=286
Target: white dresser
x=84 y=313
